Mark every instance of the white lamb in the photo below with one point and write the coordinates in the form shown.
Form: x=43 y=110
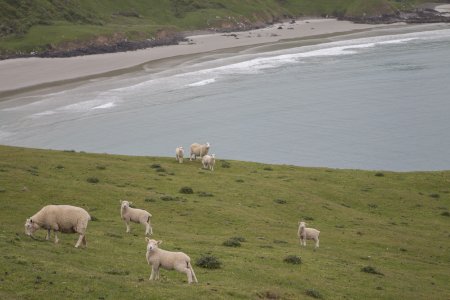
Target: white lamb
x=199 y=150
x=209 y=161
x=179 y=154
x=307 y=234
x=168 y=260
x=62 y=218
x=135 y=215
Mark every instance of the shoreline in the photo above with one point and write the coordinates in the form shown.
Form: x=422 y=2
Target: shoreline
x=21 y=75
x=24 y=75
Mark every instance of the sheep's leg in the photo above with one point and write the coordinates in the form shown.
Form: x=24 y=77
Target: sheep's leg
x=84 y=241
x=48 y=234
x=193 y=273
x=128 y=226
x=80 y=240
x=185 y=269
x=317 y=243
x=148 y=229
x=56 y=237
x=154 y=273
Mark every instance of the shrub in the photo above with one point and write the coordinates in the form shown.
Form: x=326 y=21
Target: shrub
x=268 y=169
x=208 y=262
x=101 y=167
x=171 y=198
x=92 y=180
x=149 y=200
x=239 y=180
x=186 y=190
x=60 y=167
x=239 y=239
x=293 y=259
x=280 y=201
x=313 y=293
x=435 y=195
x=205 y=194
x=379 y=174
x=155 y=166
x=372 y=205
x=160 y=170
x=371 y=270
x=444 y=213
x=232 y=243
x=307 y=218
x=225 y=164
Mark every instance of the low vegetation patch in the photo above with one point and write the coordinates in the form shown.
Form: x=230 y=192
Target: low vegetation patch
x=371 y=270
x=92 y=180
x=225 y=164
x=208 y=262
x=444 y=213
x=313 y=293
x=293 y=259
x=186 y=190
x=205 y=194
x=117 y=272
x=280 y=201
x=379 y=174
x=435 y=195
x=232 y=242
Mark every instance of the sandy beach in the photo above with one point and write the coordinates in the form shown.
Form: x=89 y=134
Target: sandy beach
x=26 y=73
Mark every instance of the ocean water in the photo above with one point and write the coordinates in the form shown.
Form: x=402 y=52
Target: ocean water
x=377 y=103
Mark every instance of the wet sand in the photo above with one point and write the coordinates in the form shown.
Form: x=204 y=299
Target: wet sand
x=26 y=73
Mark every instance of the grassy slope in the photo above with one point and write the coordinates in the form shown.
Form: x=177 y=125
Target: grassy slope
x=37 y=25
x=394 y=223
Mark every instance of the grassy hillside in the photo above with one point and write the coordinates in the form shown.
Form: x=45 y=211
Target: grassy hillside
x=33 y=26
x=396 y=223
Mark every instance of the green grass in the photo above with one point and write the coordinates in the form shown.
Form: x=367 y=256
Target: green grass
x=405 y=237
x=39 y=25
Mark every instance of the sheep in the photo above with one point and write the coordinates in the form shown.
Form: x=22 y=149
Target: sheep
x=307 y=234
x=62 y=218
x=209 y=161
x=199 y=150
x=168 y=260
x=135 y=215
x=179 y=153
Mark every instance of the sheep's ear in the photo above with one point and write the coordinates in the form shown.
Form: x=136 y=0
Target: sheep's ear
x=147 y=239
x=159 y=242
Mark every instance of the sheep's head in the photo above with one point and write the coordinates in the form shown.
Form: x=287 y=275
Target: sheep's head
x=152 y=245
x=302 y=224
x=181 y=147
x=213 y=155
x=208 y=145
x=30 y=227
x=125 y=204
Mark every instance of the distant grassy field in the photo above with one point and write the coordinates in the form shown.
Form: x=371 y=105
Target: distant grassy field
x=38 y=25
x=394 y=224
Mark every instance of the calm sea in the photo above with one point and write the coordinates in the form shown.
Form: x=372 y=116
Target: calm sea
x=363 y=103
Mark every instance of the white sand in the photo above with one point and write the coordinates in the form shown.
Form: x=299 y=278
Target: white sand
x=21 y=73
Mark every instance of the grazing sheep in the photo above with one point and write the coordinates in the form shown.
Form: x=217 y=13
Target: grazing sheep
x=209 y=161
x=135 y=215
x=168 y=260
x=63 y=218
x=307 y=234
x=179 y=154
x=199 y=150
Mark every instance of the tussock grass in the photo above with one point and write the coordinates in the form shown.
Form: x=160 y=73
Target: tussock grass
x=198 y=228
